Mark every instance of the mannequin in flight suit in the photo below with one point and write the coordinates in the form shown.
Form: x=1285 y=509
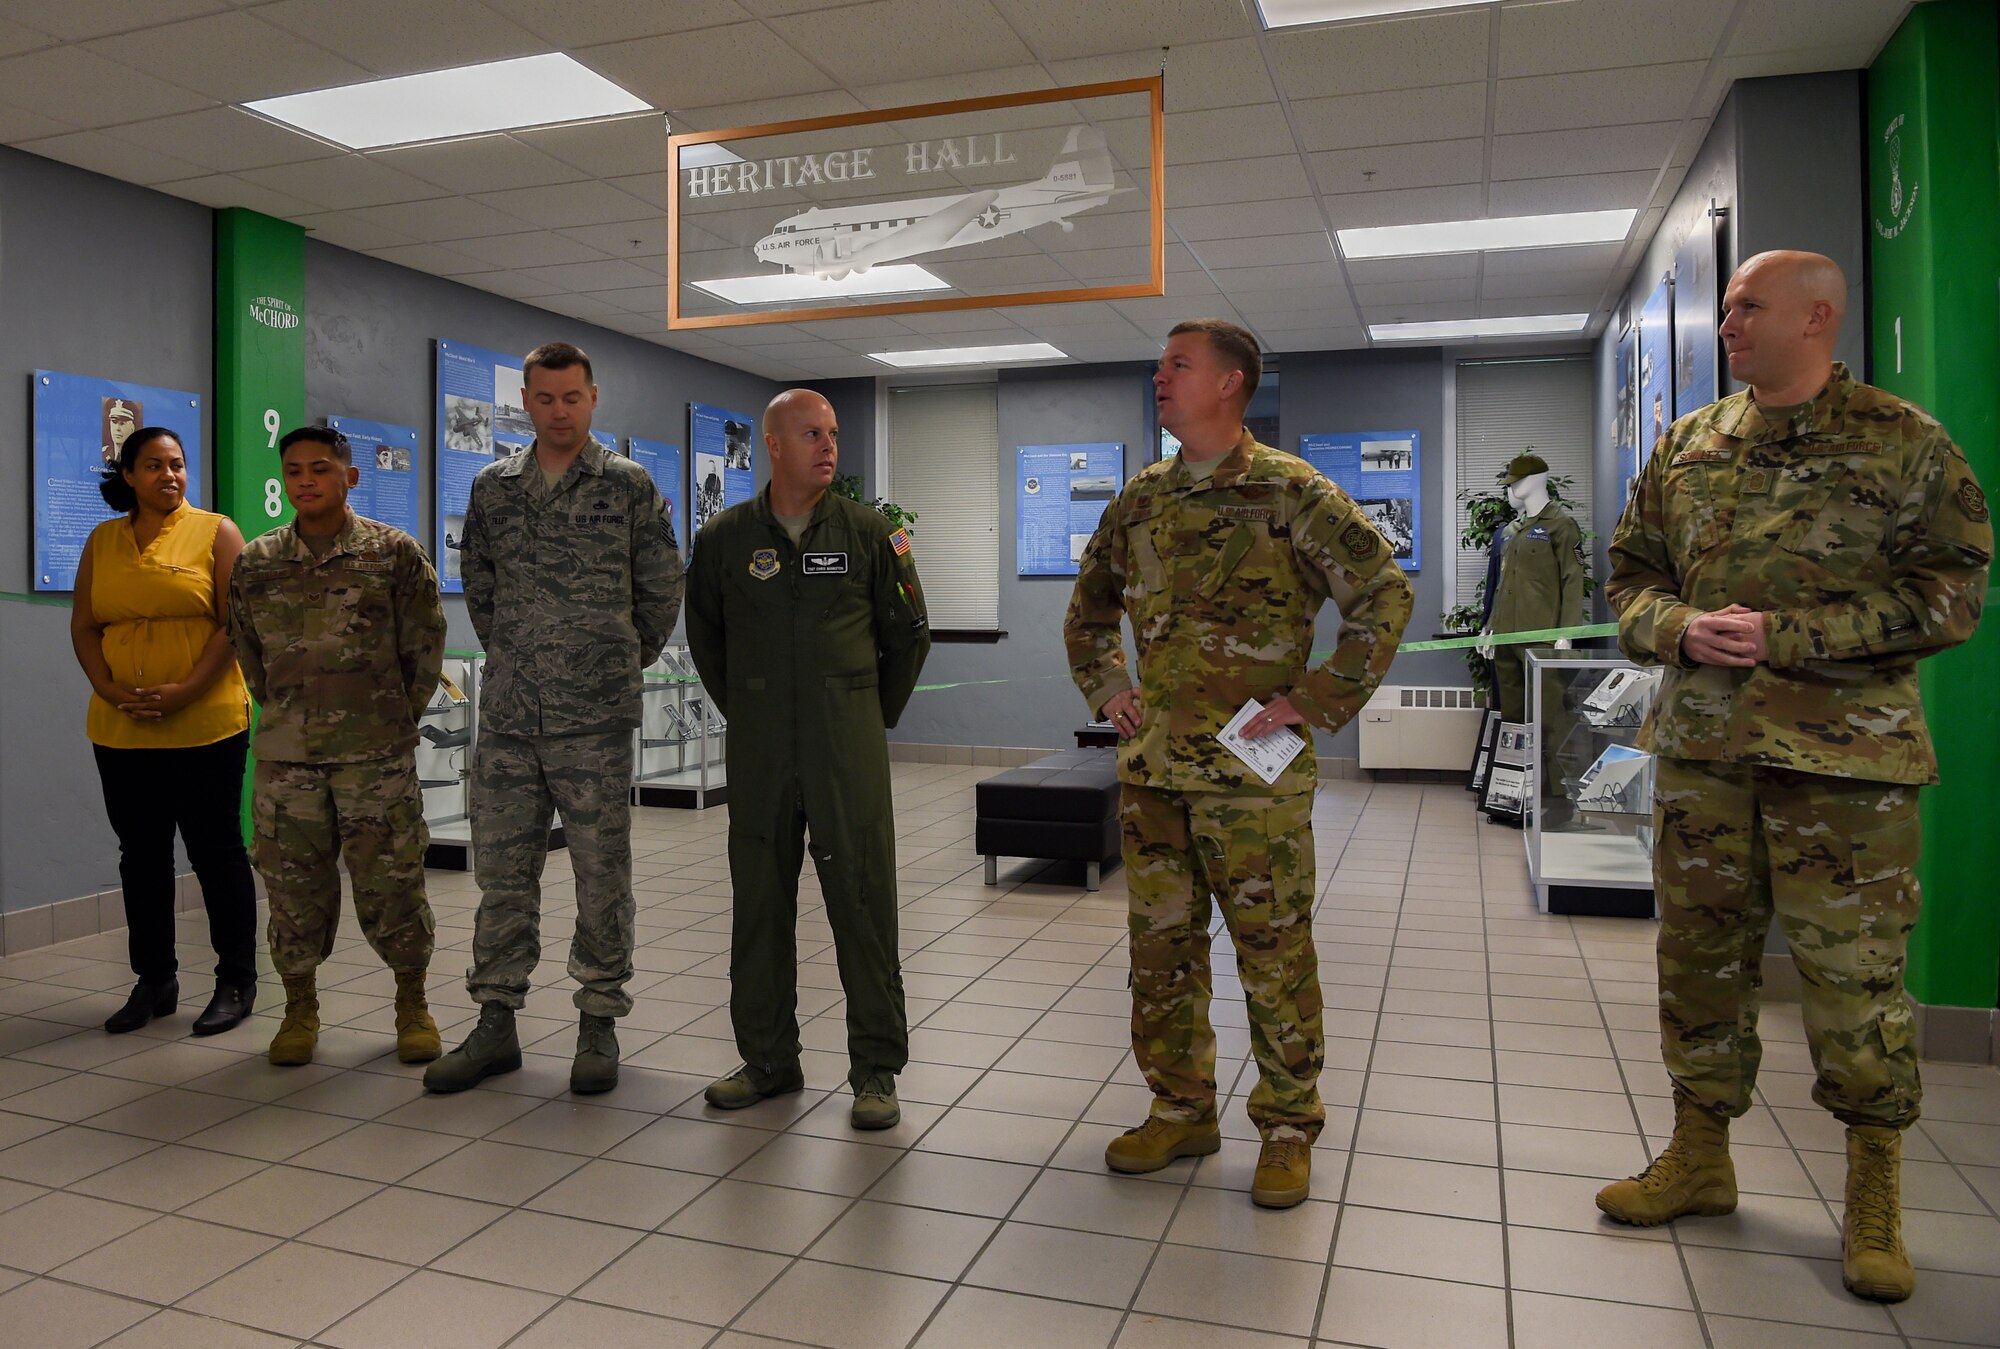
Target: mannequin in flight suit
x=1540 y=582
x=806 y=621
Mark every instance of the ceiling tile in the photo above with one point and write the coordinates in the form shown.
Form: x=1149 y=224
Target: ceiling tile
x=1269 y=251
x=927 y=39
x=73 y=85
x=1045 y=315
x=763 y=111
x=608 y=149
x=1863 y=24
x=650 y=188
x=343 y=229
x=1535 y=285
x=1360 y=58
x=16 y=38
x=440 y=219
x=1573 y=302
x=1281 y=277
x=1810 y=61
x=1417 y=313
x=646 y=300
x=221 y=189
x=568 y=24
x=1543 y=261
x=226 y=140
x=510 y=283
x=1374 y=271
x=574 y=204
x=1460 y=289
x=1191 y=285
x=78 y=20
x=1383 y=168
x=101 y=152
x=233 y=57
x=1061 y=29
x=1223 y=74
x=1444 y=112
x=968 y=320
x=479 y=164
x=1597 y=97
x=1244 y=219
x=608 y=274
x=1328 y=299
x=345 y=181
x=19 y=124
x=1411 y=206
x=577 y=306
x=1572 y=192
x=1339 y=338
x=433 y=258
x=712 y=65
x=1604 y=34
x=1226 y=133
x=944 y=88
x=1605 y=149
x=1214 y=184
x=625 y=239
x=395 y=37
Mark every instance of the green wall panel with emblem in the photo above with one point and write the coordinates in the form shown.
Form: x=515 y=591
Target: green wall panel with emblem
x=260 y=362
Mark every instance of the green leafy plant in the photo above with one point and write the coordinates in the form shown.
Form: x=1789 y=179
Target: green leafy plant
x=849 y=486
x=1487 y=512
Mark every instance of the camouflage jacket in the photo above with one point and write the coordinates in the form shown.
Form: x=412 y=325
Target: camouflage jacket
x=572 y=593
x=1856 y=526
x=1541 y=574
x=344 y=650
x=1222 y=582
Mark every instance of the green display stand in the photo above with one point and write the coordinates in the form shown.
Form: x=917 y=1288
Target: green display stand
x=1934 y=195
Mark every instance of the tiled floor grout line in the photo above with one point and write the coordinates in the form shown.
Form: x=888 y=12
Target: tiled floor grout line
x=1499 y=1113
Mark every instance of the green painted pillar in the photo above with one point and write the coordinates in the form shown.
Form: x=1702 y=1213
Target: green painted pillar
x=260 y=362
x=1934 y=252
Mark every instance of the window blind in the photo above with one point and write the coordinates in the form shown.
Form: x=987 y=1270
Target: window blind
x=1504 y=407
x=944 y=464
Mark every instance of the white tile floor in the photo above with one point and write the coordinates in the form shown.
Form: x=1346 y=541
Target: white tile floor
x=1487 y=1069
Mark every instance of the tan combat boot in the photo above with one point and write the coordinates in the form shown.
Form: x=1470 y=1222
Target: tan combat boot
x=294 y=1042
x=1692 y=1174
x=1157 y=1142
x=1284 y=1172
x=1873 y=1263
x=416 y=1034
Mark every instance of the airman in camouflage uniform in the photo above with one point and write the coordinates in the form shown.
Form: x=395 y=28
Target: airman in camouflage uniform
x=341 y=639
x=573 y=584
x=1789 y=566
x=1222 y=563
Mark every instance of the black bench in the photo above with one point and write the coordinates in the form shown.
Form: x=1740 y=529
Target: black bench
x=1063 y=807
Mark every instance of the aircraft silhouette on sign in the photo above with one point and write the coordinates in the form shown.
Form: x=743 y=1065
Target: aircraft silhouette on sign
x=831 y=243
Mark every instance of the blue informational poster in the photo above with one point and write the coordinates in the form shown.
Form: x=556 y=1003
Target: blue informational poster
x=1060 y=493
x=480 y=418
x=1381 y=470
x=1694 y=318
x=385 y=455
x=80 y=423
x=668 y=466
x=723 y=444
x=1625 y=413
x=1656 y=367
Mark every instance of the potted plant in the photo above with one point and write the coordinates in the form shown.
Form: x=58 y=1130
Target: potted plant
x=849 y=486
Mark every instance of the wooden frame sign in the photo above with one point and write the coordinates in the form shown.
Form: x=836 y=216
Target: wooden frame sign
x=1046 y=197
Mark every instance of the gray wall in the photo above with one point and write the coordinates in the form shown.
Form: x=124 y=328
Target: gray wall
x=97 y=278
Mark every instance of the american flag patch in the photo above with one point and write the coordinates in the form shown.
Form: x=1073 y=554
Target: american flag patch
x=899 y=543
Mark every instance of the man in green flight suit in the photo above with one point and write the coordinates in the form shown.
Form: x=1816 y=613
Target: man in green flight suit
x=1788 y=555
x=807 y=624
x=1540 y=584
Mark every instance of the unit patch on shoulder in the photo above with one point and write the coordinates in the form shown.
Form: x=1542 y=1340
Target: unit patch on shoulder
x=823 y=564
x=764 y=563
x=899 y=543
x=1359 y=541
x=1972 y=500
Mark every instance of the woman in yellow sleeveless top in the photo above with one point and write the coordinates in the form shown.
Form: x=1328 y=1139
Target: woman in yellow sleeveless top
x=169 y=722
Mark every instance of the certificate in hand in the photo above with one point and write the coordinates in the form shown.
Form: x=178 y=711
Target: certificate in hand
x=1267 y=755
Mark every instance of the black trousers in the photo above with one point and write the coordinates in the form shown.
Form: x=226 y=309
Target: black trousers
x=149 y=793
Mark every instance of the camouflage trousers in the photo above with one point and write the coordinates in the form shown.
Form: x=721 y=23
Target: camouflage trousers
x=309 y=817
x=1255 y=855
x=518 y=782
x=1833 y=858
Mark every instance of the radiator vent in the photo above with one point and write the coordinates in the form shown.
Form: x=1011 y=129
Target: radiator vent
x=1404 y=726
x=1409 y=697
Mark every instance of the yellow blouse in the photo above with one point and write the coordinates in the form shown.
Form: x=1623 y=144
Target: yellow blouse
x=158 y=609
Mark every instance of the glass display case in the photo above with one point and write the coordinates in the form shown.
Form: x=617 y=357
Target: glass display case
x=1589 y=794
x=444 y=762
x=683 y=738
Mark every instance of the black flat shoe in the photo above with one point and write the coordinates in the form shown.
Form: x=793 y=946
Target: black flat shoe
x=148 y=1000
x=231 y=1003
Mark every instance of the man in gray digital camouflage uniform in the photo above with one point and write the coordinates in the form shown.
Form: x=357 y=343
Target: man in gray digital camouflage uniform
x=1789 y=554
x=573 y=583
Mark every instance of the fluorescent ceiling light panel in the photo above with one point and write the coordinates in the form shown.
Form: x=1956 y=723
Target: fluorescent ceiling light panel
x=442 y=104
x=1526 y=326
x=1292 y=13
x=1474 y=236
x=783 y=287
x=1004 y=355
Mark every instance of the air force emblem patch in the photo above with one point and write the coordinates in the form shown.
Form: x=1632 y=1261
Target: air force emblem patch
x=764 y=563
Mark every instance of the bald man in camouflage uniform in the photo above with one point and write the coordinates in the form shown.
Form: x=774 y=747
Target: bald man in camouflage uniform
x=573 y=583
x=338 y=626
x=1789 y=554
x=1222 y=559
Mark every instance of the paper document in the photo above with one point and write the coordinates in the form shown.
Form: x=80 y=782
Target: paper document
x=1267 y=755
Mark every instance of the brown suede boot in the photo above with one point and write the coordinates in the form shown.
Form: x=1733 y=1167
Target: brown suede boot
x=1873 y=1263
x=293 y=1045
x=1692 y=1174
x=1159 y=1142
x=416 y=1034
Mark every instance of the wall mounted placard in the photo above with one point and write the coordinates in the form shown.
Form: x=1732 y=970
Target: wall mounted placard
x=1050 y=196
x=1060 y=493
x=80 y=423
x=668 y=465
x=1381 y=471
x=724 y=448
x=1625 y=413
x=1694 y=317
x=1656 y=367
x=480 y=418
x=385 y=456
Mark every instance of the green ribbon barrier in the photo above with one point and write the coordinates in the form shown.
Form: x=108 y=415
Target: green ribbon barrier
x=1513 y=638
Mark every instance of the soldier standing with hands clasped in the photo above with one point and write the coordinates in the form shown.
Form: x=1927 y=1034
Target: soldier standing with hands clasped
x=1222 y=558
x=573 y=583
x=807 y=623
x=340 y=632
x=1789 y=554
